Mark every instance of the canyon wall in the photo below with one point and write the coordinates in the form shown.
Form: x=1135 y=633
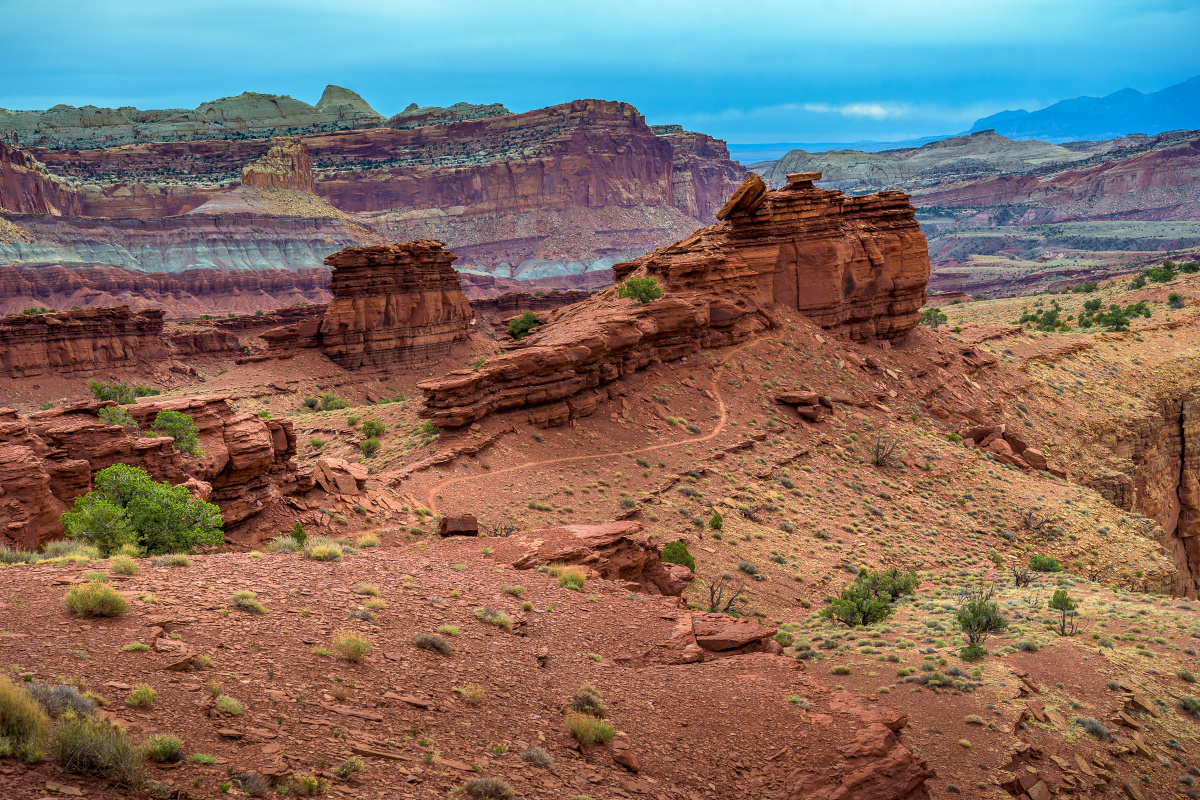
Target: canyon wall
x=285 y=166
x=393 y=305
x=27 y=187
x=857 y=265
x=48 y=459
x=79 y=342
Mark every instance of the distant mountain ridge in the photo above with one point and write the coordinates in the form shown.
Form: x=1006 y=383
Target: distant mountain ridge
x=1093 y=118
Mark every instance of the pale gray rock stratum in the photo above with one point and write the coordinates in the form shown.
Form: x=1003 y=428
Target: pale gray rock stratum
x=249 y=114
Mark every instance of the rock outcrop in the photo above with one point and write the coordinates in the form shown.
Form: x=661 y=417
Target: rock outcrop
x=26 y=186
x=248 y=114
x=393 y=305
x=419 y=117
x=613 y=551
x=857 y=266
x=285 y=166
x=80 y=342
x=48 y=459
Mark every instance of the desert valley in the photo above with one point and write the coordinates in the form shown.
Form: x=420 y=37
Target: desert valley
x=472 y=452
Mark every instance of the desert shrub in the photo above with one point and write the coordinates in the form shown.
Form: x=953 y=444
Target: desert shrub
x=331 y=402
x=96 y=747
x=143 y=694
x=677 y=553
x=95 y=599
x=10 y=556
x=493 y=617
x=520 y=327
x=588 y=729
x=1190 y=704
x=229 y=705
x=716 y=522
x=123 y=565
x=181 y=428
x=868 y=600
x=350 y=645
x=247 y=600
x=570 y=577
x=1040 y=563
x=374 y=427
x=349 y=767
x=979 y=617
x=121 y=393
x=1027 y=646
x=471 y=693
x=587 y=700
x=163 y=748
x=489 y=789
x=172 y=560
x=432 y=642
x=316 y=442
x=933 y=317
x=60 y=699
x=644 y=290
x=1063 y=603
x=128 y=507
x=369 y=447
x=305 y=786
x=1092 y=726
x=1175 y=300
x=115 y=415
x=537 y=756
x=24 y=723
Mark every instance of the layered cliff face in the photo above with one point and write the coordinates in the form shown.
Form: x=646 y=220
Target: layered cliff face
x=857 y=266
x=419 y=117
x=27 y=187
x=79 y=342
x=393 y=305
x=190 y=293
x=249 y=114
x=49 y=458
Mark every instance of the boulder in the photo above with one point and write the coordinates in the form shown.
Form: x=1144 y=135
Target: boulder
x=464 y=525
x=720 y=632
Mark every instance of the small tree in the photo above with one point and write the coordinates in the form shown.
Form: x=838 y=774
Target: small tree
x=933 y=317
x=677 y=553
x=179 y=426
x=868 y=600
x=373 y=427
x=1062 y=603
x=298 y=534
x=129 y=507
x=644 y=290
x=115 y=415
x=520 y=327
x=723 y=598
x=979 y=616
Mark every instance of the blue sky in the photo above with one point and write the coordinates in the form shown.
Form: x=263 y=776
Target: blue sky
x=767 y=71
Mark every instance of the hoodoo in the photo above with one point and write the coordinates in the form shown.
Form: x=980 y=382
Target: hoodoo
x=393 y=304
x=857 y=266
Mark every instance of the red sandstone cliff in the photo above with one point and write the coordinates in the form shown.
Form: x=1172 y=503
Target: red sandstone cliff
x=285 y=166
x=393 y=305
x=857 y=266
x=27 y=187
x=79 y=342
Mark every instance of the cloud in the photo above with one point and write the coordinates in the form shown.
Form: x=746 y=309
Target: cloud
x=872 y=110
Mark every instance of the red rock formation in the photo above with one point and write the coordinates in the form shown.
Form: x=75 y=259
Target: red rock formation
x=48 y=459
x=79 y=342
x=285 y=166
x=857 y=266
x=191 y=292
x=614 y=551
x=27 y=187
x=392 y=305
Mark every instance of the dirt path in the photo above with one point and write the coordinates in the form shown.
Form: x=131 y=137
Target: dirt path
x=432 y=493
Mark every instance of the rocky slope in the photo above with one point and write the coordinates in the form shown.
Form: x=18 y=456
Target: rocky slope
x=393 y=306
x=856 y=266
x=250 y=114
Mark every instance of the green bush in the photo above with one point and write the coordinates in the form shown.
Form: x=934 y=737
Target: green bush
x=868 y=600
x=121 y=393
x=716 y=521
x=979 y=617
x=677 y=553
x=91 y=746
x=369 y=446
x=115 y=415
x=644 y=290
x=179 y=426
x=933 y=317
x=373 y=428
x=520 y=327
x=1040 y=563
x=95 y=599
x=331 y=402
x=128 y=507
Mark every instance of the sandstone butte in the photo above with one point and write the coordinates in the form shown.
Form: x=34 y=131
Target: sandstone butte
x=285 y=166
x=857 y=266
x=393 y=305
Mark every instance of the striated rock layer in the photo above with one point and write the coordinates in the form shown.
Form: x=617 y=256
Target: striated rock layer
x=857 y=266
x=49 y=458
x=393 y=305
x=285 y=166
x=79 y=342
x=27 y=187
